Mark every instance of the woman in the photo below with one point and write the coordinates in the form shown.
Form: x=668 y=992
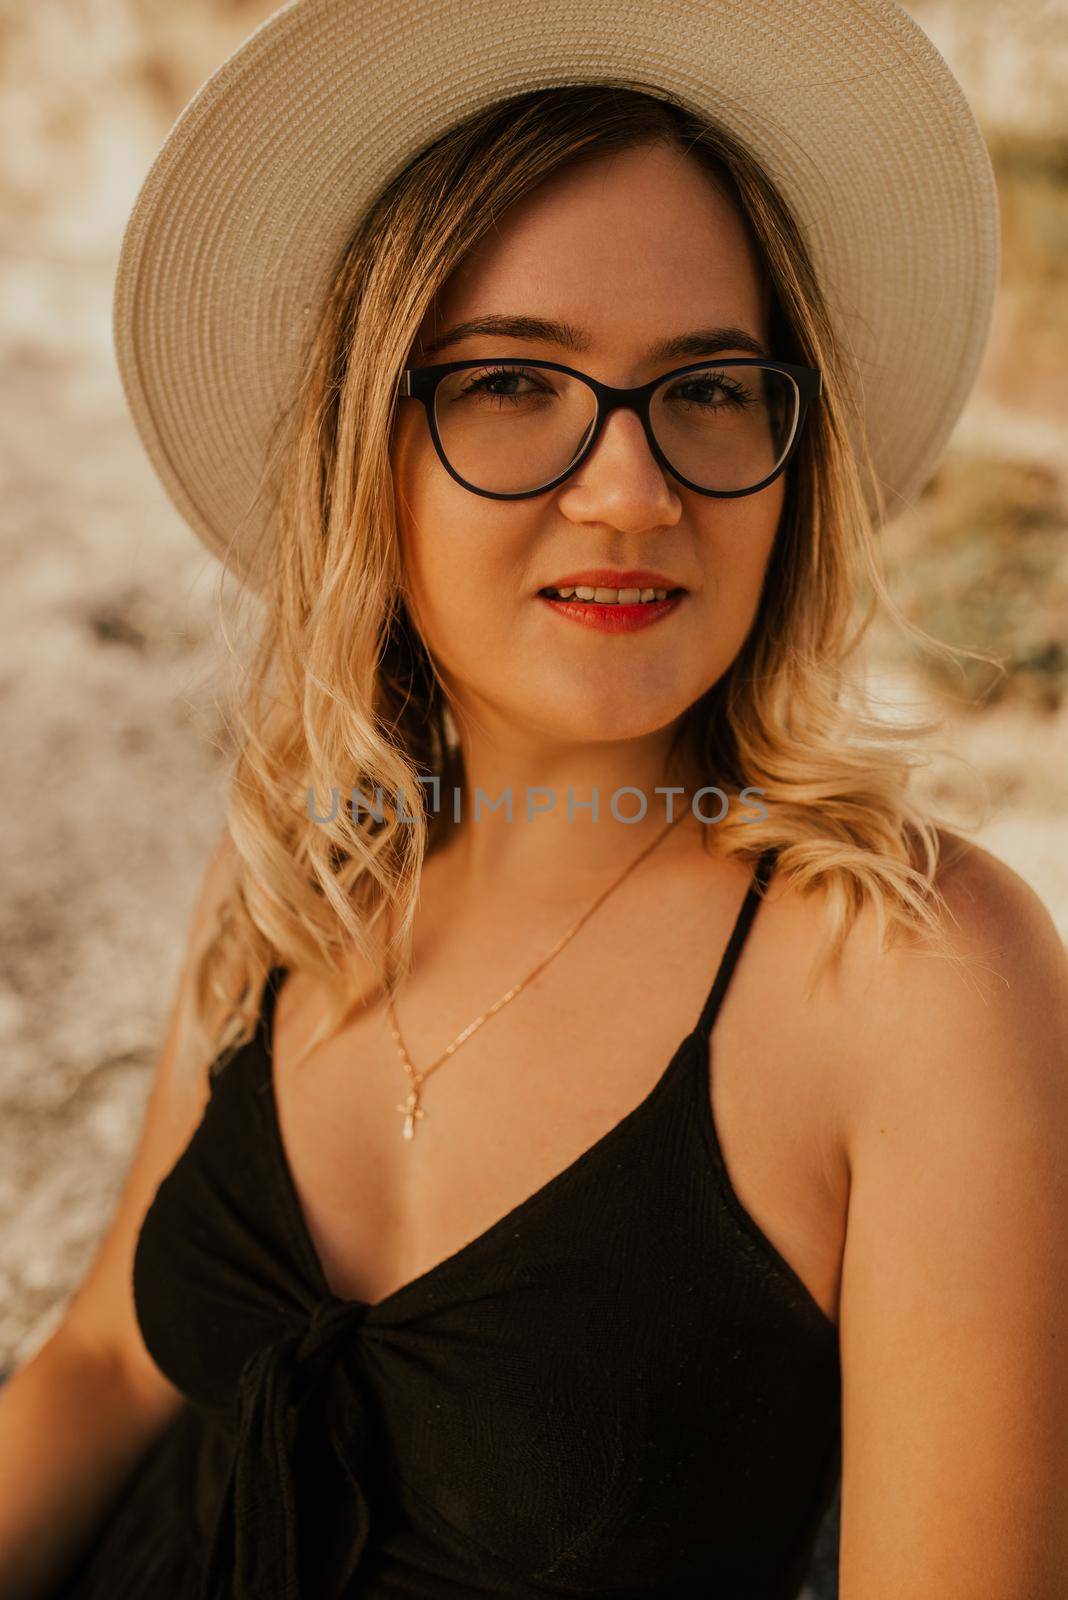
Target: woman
x=578 y=1315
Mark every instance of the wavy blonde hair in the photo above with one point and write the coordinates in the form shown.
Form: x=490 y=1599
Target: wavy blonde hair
x=340 y=694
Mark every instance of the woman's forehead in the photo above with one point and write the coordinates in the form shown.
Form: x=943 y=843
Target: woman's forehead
x=637 y=239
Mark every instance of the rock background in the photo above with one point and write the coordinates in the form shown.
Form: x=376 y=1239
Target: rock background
x=115 y=752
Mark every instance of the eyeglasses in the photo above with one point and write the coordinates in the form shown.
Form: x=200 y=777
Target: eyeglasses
x=509 y=428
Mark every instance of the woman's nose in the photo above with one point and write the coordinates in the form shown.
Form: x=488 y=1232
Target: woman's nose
x=621 y=482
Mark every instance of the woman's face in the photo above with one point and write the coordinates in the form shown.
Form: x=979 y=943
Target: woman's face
x=627 y=249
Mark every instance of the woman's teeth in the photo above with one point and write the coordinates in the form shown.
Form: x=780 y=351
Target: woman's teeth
x=608 y=597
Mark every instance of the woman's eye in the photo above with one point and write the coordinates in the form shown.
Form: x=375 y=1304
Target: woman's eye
x=702 y=389
x=712 y=392
x=500 y=382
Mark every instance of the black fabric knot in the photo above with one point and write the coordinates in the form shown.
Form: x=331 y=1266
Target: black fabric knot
x=261 y=1546
x=330 y=1327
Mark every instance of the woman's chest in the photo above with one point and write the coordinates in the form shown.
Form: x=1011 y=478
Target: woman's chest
x=544 y=1082
x=575 y=1395
x=563 y=1337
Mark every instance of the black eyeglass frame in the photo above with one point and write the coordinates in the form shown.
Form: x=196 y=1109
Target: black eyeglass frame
x=420 y=383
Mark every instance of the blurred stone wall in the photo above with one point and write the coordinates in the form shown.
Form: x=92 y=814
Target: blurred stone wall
x=110 y=653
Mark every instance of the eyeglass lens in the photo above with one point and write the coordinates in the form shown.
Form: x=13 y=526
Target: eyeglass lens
x=510 y=428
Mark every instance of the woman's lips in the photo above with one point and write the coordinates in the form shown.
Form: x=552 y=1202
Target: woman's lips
x=614 y=618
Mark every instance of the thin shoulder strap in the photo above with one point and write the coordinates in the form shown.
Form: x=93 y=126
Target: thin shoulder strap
x=761 y=874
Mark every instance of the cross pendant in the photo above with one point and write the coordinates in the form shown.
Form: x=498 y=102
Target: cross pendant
x=411 y=1109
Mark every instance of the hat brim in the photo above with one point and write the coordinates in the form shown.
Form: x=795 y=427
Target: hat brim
x=239 y=226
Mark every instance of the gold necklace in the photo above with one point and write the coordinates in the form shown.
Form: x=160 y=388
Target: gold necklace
x=412 y=1108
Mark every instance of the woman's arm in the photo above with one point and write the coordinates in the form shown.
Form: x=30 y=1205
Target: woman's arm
x=954 y=1302
x=75 y=1420
x=72 y=1429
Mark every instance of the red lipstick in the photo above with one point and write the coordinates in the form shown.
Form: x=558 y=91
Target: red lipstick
x=608 y=616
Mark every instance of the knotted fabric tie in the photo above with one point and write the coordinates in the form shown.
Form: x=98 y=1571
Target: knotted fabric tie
x=264 y=1514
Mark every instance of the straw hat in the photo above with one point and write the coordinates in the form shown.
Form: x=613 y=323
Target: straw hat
x=240 y=223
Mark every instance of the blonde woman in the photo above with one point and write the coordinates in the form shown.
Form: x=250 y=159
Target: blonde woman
x=563 y=1199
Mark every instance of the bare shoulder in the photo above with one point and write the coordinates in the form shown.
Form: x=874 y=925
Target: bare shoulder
x=1001 y=965
x=953 y=1314
x=990 y=906
x=899 y=1034
x=994 y=999
x=973 y=1036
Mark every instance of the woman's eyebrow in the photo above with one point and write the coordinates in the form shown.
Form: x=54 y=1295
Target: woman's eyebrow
x=697 y=342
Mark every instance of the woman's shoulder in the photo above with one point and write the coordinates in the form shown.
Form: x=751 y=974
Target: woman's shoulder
x=951 y=1299
x=998 y=937
x=984 y=894
x=983 y=909
x=982 y=1015
x=915 y=1018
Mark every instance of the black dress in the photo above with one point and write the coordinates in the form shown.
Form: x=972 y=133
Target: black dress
x=620 y=1388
